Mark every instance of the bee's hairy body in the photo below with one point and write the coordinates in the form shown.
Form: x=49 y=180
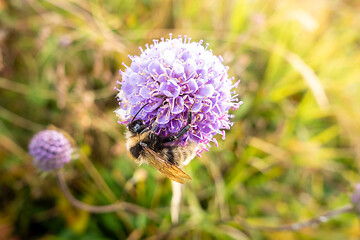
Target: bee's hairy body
x=177 y=154
x=163 y=153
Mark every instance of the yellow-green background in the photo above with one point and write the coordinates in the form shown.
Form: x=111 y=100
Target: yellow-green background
x=293 y=152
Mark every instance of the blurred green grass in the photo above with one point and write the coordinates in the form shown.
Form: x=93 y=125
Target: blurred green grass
x=293 y=152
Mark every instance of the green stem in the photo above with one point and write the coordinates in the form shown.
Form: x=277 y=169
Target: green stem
x=119 y=206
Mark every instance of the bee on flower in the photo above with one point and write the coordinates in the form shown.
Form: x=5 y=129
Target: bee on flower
x=175 y=97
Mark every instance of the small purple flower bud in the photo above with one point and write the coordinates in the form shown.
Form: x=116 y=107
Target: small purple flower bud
x=50 y=150
x=173 y=77
x=355 y=198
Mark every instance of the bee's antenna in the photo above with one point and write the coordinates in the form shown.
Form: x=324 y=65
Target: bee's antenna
x=138 y=112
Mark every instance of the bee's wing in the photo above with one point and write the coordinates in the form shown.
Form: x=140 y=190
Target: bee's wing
x=169 y=169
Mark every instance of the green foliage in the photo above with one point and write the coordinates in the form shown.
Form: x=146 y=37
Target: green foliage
x=292 y=153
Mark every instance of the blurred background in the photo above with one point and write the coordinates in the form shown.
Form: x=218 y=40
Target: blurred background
x=293 y=152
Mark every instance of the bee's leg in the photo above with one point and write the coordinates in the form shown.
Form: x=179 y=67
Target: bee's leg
x=184 y=130
x=155 y=124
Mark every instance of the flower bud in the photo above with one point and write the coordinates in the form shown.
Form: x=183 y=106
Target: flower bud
x=50 y=150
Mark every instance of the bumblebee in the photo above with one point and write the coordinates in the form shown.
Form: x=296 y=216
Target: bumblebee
x=161 y=152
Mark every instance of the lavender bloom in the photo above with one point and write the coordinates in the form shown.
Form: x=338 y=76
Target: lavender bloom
x=173 y=76
x=50 y=149
x=355 y=198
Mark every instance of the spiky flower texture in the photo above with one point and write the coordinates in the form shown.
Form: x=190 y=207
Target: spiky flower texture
x=50 y=150
x=174 y=76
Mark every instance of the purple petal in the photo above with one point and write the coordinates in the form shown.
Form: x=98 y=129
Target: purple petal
x=190 y=67
x=216 y=109
x=178 y=70
x=127 y=88
x=135 y=98
x=191 y=86
x=186 y=55
x=154 y=105
x=206 y=130
x=177 y=105
x=200 y=82
x=135 y=67
x=145 y=92
x=175 y=126
x=207 y=90
x=201 y=72
x=210 y=116
x=163 y=78
x=216 y=125
x=207 y=105
x=134 y=110
x=197 y=106
x=164 y=116
x=156 y=68
x=170 y=88
x=135 y=79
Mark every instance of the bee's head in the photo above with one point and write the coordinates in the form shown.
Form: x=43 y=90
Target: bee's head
x=136 y=127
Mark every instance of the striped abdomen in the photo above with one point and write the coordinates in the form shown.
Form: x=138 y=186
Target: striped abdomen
x=180 y=155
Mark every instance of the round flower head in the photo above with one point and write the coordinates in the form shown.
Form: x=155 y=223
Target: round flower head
x=355 y=198
x=50 y=150
x=173 y=77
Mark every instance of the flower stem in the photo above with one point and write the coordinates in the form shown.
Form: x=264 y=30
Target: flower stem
x=176 y=228
x=119 y=206
x=176 y=201
x=299 y=225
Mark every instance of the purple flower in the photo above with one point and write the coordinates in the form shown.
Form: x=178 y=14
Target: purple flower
x=355 y=198
x=173 y=76
x=50 y=150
